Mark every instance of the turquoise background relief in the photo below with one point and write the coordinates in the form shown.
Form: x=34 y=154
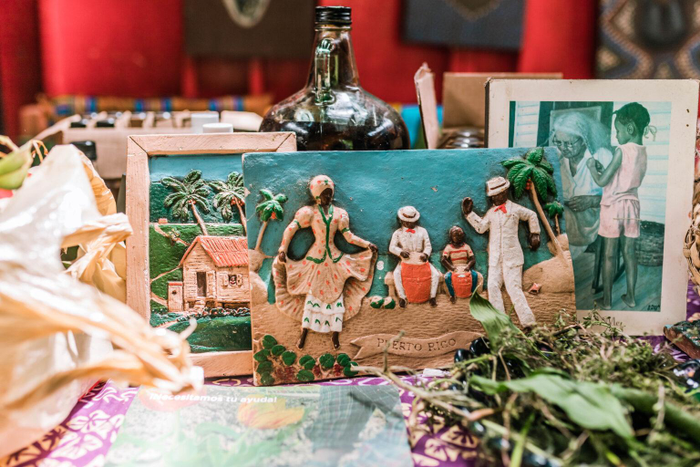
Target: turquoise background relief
x=373 y=185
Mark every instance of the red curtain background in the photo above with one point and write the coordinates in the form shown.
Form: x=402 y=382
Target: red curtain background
x=135 y=48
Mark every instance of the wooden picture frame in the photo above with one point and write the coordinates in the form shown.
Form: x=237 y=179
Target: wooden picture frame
x=141 y=149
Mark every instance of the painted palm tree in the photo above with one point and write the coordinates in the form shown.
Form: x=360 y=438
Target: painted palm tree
x=534 y=174
x=190 y=194
x=230 y=193
x=554 y=210
x=270 y=208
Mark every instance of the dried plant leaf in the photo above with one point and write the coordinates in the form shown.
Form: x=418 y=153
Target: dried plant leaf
x=56 y=331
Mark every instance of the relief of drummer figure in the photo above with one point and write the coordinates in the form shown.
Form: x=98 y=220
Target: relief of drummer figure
x=416 y=280
x=506 y=258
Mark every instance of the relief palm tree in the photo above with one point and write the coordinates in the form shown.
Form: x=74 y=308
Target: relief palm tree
x=230 y=193
x=270 y=208
x=534 y=174
x=189 y=195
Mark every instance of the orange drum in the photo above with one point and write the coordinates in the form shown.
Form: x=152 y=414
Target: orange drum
x=462 y=283
x=416 y=281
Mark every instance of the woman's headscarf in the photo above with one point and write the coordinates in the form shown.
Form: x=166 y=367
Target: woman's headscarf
x=593 y=133
x=319 y=184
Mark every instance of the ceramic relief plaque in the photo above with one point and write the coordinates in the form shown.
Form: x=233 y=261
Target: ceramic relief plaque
x=348 y=249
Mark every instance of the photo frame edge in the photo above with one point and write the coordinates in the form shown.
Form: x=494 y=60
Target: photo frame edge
x=501 y=93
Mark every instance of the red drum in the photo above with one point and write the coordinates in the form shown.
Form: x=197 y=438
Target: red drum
x=462 y=283
x=416 y=282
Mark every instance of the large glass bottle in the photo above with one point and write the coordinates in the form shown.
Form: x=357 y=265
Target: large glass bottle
x=333 y=112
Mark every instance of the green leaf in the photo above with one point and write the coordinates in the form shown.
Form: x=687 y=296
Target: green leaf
x=289 y=358
x=347 y=371
x=277 y=350
x=218 y=185
x=520 y=180
x=307 y=361
x=171 y=199
x=262 y=355
x=267 y=194
x=264 y=367
x=554 y=209
x=269 y=341
x=226 y=213
x=280 y=198
x=326 y=360
x=512 y=163
x=551 y=186
x=202 y=191
x=539 y=179
x=546 y=166
x=305 y=376
x=343 y=359
x=170 y=182
x=534 y=156
x=588 y=404
x=492 y=320
x=192 y=177
x=235 y=179
x=266 y=379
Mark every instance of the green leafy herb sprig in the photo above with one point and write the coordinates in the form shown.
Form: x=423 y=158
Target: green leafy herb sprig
x=568 y=394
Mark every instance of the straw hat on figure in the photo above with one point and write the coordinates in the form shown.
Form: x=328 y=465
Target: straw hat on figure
x=506 y=259
x=415 y=279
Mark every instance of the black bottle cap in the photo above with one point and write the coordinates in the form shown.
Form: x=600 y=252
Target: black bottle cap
x=334 y=15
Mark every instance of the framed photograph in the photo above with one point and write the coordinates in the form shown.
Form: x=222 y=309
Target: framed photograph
x=626 y=150
x=347 y=250
x=188 y=256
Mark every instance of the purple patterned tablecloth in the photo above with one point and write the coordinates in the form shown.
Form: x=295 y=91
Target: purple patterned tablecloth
x=85 y=437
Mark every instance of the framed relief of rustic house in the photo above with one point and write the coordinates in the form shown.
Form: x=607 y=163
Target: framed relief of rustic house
x=188 y=257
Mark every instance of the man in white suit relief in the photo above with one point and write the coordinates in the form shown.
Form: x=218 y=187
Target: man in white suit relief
x=506 y=259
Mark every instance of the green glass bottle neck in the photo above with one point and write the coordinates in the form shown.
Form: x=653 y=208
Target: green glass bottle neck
x=333 y=63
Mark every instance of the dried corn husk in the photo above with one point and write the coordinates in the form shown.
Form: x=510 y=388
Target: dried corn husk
x=692 y=237
x=56 y=332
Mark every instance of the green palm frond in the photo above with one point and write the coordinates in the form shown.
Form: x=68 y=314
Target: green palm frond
x=181 y=212
x=512 y=162
x=551 y=185
x=235 y=180
x=202 y=191
x=554 y=209
x=534 y=156
x=520 y=178
x=201 y=203
x=267 y=194
x=218 y=185
x=262 y=206
x=173 y=183
x=192 y=177
x=226 y=213
x=181 y=204
x=539 y=179
x=546 y=166
x=281 y=198
x=171 y=199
